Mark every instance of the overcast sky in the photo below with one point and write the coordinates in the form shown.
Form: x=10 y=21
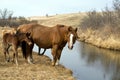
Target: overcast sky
x=51 y=7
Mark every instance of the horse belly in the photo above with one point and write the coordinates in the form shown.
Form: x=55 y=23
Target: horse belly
x=44 y=44
x=43 y=38
x=47 y=46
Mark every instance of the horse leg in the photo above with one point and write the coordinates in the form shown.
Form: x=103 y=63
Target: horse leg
x=43 y=52
x=59 y=51
x=6 y=51
x=29 y=54
x=13 y=57
x=16 y=58
x=31 y=57
x=8 y=60
x=5 y=54
x=39 y=49
x=24 y=48
x=16 y=55
x=54 y=51
x=26 y=51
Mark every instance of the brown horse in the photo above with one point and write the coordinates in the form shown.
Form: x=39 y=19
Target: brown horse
x=49 y=37
x=14 y=40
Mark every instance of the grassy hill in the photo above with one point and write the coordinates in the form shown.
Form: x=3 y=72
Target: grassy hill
x=72 y=19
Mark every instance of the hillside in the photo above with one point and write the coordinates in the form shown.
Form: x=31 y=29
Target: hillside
x=72 y=19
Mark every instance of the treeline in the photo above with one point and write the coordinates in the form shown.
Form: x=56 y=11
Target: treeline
x=108 y=17
x=7 y=19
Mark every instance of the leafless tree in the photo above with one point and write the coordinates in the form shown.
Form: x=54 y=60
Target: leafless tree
x=5 y=14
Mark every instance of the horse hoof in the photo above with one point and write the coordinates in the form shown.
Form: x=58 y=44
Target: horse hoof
x=30 y=62
x=56 y=64
x=53 y=64
x=40 y=54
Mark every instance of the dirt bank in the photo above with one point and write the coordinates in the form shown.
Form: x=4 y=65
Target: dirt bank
x=40 y=70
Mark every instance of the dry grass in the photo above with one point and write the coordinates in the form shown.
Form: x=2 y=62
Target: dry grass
x=40 y=70
x=72 y=19
x=100 y=39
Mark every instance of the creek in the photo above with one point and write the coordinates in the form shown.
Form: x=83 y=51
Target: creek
x=88 y=62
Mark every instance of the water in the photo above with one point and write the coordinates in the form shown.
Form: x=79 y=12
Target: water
x=89 y=62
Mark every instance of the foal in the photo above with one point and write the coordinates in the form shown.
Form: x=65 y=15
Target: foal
x=14 y=40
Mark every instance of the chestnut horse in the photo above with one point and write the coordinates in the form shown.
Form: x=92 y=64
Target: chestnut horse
x=14 y=40
x=45 y=37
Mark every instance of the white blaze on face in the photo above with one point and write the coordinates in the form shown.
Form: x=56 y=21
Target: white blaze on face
x=71 y=41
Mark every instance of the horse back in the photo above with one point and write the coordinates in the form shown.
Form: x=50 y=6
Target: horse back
x=45 y=36
x=9 y=38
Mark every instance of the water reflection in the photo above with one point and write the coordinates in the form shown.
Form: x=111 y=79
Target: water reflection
x=109 y=60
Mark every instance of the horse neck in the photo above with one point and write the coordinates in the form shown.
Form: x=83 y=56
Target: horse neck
x=63 y=33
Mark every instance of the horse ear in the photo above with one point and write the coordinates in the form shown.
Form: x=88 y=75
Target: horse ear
x=70 y=28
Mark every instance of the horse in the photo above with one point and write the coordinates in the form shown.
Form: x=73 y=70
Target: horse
x=46 y=37
x=14 y=40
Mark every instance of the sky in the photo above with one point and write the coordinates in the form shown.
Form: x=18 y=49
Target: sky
x=29 y=8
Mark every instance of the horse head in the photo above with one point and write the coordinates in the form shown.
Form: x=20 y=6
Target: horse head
x=71 y=36
x=27 y=38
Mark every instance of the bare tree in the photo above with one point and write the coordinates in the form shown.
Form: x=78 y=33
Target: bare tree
x=5 y=14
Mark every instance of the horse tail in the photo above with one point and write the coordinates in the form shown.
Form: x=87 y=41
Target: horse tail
x=24 y=50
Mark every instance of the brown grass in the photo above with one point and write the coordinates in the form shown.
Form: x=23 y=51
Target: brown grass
x=100 y=39
x=40 y=70
x=72 y=19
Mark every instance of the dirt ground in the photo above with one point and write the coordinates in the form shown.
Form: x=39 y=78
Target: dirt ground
x=40 y=70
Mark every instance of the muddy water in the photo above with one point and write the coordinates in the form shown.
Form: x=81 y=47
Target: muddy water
x=90 y=63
